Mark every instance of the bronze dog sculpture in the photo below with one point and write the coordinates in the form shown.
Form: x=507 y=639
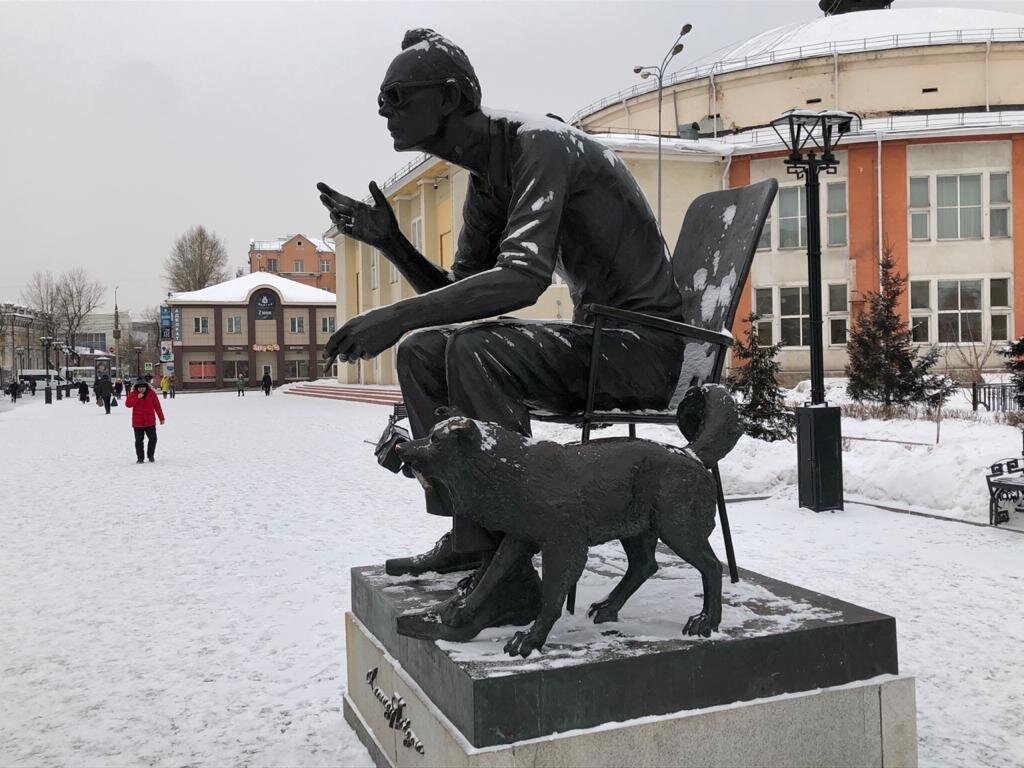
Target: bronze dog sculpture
x=561 y=499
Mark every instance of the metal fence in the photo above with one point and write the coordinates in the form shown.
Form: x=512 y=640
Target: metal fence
x=994 y=397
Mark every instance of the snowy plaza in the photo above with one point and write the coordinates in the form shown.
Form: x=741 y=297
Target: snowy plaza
x=190 y=612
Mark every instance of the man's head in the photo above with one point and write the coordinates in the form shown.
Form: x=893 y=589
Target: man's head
x=428 y=82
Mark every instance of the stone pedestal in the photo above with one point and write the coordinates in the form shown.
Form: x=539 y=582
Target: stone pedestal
x=792 y=678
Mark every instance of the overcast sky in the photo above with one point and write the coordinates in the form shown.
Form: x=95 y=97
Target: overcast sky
x=121 y=125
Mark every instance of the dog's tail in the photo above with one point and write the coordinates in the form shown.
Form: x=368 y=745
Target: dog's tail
x=709 y=419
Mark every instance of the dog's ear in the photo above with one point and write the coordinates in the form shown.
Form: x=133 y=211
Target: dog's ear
x=447 y=412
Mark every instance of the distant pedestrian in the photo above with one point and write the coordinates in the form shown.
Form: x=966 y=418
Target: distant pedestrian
x=12 y=390
x=104 y=391
x=145 y=407
x=149 y=379
x=174 y=384
x=118 y=387
x=32 y=387
x=83 y=392
x=267 y=383
x=165 y=385
x=240 y=385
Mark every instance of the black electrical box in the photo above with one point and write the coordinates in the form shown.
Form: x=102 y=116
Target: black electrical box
x=819 y=451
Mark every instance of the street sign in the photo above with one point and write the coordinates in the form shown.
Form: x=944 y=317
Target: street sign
x=147 y=366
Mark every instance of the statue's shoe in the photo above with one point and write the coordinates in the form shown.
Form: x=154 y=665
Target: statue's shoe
x=516 y=602
x=442 y=558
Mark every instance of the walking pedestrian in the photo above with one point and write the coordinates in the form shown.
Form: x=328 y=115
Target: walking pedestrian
x=104 y=391
x=165 y=385
x=32 y=387
x=118 y=387
x=145 y=407
x=174 y=384
x=267 y=383
x=240 y=385
x=83 y=392
x=12 y=390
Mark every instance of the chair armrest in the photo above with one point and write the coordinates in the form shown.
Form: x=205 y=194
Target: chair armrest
x=724 y=338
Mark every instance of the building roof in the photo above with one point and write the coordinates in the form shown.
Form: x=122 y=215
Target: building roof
x=876 y=30
x=239 y=290
x=278 y=243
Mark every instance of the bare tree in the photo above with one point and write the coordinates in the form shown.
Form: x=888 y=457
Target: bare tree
x=197 y=259
x=77 y=296
x=41 y=294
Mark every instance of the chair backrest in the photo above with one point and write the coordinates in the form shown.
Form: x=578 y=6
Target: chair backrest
x=711 y=263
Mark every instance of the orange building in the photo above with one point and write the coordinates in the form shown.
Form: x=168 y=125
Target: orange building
x=306 y=260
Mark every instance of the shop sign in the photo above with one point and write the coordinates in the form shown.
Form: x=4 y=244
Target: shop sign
x=266 y=305
x=165 y=322
x=266 y=348
x=234 y=349
x=297 y=349
x=176 y=313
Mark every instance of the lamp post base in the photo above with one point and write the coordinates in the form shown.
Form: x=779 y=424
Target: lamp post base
x=819 y=450
x=48 y=395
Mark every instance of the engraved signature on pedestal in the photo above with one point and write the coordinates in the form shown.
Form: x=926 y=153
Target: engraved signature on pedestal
x=394 y=708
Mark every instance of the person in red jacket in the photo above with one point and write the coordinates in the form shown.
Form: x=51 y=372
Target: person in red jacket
x=145 y=406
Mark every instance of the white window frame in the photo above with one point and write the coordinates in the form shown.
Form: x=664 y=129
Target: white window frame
x=1002 y=205
x=767 y=321
x=831 y=215
x=272 y=265
x=297 y=324
x=298 y=375
x=805 y=312
x=836 y=314
x=767 y=231
x=960 y=208
x=325 y=266
x=201 y=324
x=416 y=234
x=300 y=265
x=801 y=217
x=987 y=309
x=924 y=209
x=327 y=324
x=374 y=269
x=234 y=324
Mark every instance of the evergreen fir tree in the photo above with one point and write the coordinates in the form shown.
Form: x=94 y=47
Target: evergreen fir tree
x=1014 y=354
x=754 y=372
x=883 y=365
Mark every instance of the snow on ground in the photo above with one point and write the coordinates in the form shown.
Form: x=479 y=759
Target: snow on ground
x=190 y=611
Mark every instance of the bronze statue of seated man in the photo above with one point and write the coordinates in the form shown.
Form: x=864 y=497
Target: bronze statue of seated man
x=543 y=198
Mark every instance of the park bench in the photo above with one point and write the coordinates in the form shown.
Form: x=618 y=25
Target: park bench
x=1005 y=487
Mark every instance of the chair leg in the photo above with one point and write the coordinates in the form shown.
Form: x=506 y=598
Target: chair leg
x=730 y=554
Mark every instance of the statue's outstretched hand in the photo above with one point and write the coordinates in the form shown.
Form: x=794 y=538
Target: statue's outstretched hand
x=374 y=225
x=363 y=337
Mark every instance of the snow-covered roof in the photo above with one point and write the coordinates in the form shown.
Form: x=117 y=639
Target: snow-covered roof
x=278 y=243
x=844 y=33
x=638 y=142
x=239 y=290
x=876 y=30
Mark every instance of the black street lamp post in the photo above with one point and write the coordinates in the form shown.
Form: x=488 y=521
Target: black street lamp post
x=819 y=430
x=47 y=393
x=20 y=352
x=138 y=363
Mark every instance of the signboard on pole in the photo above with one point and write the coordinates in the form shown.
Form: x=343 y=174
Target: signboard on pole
x=147 y=366
x=176 y=313
x=166 y=352
x=165 y=323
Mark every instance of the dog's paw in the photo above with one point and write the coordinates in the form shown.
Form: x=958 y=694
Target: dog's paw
x=523 y=644
x=700 y=624
x=602 y=611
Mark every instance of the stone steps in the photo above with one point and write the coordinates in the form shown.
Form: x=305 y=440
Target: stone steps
x=352 y=394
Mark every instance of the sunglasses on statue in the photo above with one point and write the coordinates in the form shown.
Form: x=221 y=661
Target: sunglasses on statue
x=396 y=94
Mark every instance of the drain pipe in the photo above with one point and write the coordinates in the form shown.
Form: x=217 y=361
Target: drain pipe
x=878 y=187
x=725 y=173
x=835 y=76
x=988 y=52
x=714 y=102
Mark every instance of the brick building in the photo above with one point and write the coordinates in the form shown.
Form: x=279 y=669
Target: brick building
x=255 y=324
x=306 y=260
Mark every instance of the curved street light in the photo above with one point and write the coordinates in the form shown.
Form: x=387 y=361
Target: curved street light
x=659 y=71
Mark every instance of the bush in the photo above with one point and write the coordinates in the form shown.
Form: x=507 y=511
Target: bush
x=754 y=372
